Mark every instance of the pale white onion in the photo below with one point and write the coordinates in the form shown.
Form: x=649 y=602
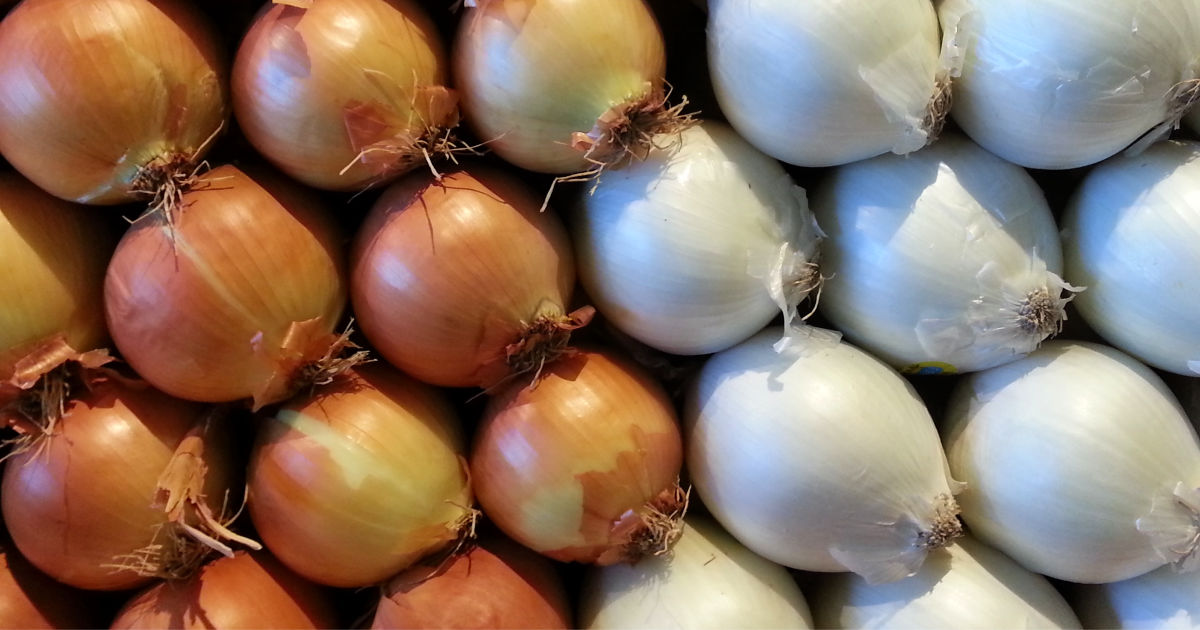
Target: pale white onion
x=1163 y=599
x=1131 y=233
x=709 y=580
x=965 y=585
x=817 y=83
x=819 y=457
x=1079 y=463
x=1065 y=83
x=943 y=260
x=698 y=246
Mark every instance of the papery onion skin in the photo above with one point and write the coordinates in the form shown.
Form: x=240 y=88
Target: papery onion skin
x=1129 y=234
x=30 y=599
x=314 y=87
x=53 y=262
x=77 y=501
x=496 y=585
x=447 y=274
x=568 y=467
x=186 y=301
x=248 y=590
x=1162 y=599
x=360 y=479
x=94 y=90
x=533 y=72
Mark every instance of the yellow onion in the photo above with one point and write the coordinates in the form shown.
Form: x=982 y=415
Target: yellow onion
x=561 y=86
x=30 y=599
x=247 y=590
x=234 y=296
x=583 y=466
x=360 y=479
x=461 y=282
x=103 y=101
x=340 y=94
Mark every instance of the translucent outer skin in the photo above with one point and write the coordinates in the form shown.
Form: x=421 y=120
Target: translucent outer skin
x=95 y=89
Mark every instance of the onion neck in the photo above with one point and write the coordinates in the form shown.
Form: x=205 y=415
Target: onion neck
x=945 y=526
x=650 y=530
x=36 y=397
x=544 y=341
x=937 y=109
x=629 y=130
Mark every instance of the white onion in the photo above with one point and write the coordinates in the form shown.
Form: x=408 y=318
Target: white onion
x=1079 y=464
x=1131 y=233
x=709 y=580
x=697 y=247
x=819 y=457
x=965 y=585
x=944 y=260
x=1065 y=83
x=817 y=83
x=1163 y=599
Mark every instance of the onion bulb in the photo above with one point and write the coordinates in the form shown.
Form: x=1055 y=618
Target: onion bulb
x=1163 y=599
x=698 y=247
x=30 y=599
x=818 y=83
x=819 y=457
x=107 y=101
x=497 y=585
x=247 y=590
x=584 y=466
x=360 y=479
x=562 y=86
x=1130 y=233
x=232 y=297
x=1079 y=464
x=945 y=260
x=53 y=261
x=965 y=585
x=709 y=580
x=83 y=503
x=1056 y=84
x=462 y=281
x=342 y=94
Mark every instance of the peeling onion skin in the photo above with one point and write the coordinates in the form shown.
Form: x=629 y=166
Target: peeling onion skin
x=247 y=254
x=562 y=467
x=249 y=590
x=96 y=89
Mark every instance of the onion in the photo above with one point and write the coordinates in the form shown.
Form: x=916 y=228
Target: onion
x=105 y=101
x=944 y=260
x=231 y=298
x=696 y=248
x=966 y=585
x=561 y=86
x=819 y=457
x=1079 y=464
x=54 y=255
x=248 y=590
x=709 y=580
x=498 y=585
x=1130 y=234
x=822 y=83
x=1162 y=599
x=584 y=466
x=360 y=479
x=30 y=599
x=83 y=504
x=341 y=94
x=461 y=281
x=1057 y=84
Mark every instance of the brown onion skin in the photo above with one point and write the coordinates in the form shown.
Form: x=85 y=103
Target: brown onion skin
x=498 y=585
x=360 y=479
x=249 y=591
x=301 y=72
x=445 y=275
x=31 y=599
x=595 y=426
x=84 y=498
x=95 y=89
x=246 y=255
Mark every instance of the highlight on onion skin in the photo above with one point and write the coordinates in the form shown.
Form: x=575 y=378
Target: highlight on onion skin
x=248 y=590
x=497 y=584
x=106 y=100
x=584 y=466
x=345 y=94
x=463 y=282
x=235 y=295
x=30 y=599
x=360 y=479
